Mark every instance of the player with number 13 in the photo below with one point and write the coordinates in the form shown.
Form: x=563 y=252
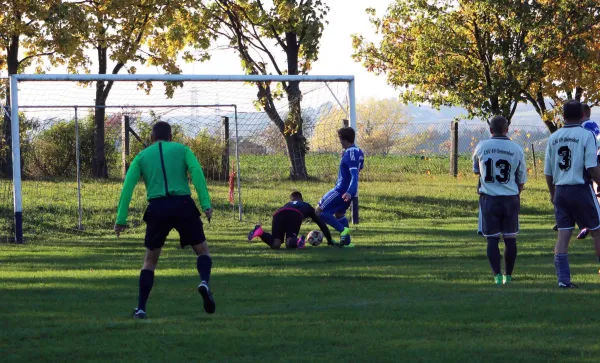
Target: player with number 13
x=500 y=163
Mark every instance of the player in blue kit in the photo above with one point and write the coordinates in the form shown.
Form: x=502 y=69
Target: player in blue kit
x=333 y=206
x=592 y=126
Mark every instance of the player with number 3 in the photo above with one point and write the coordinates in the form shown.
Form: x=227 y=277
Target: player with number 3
x=500 y=163
x=571 y=165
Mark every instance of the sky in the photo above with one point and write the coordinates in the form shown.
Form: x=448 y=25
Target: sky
x=335 y=58
x=335 y=55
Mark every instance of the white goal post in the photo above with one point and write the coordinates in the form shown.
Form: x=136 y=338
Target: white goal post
x=16 y=79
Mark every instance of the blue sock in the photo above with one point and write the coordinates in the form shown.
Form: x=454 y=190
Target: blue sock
x=563 y=271
x=204 y=265
x=332 y=221
x=344 y=221
x=146 y=282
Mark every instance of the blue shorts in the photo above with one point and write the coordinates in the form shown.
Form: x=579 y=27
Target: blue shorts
x=332 y=202
x=499 y=215
x=576 y=204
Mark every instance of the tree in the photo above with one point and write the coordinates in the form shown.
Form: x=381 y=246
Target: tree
x=130 y=32
x=31 y=31
x=483 y=55
x=379 y=129
x=295 y=27
x=573 y=73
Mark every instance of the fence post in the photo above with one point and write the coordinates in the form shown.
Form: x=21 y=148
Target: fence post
x=125 y=144
x=454 y=148
x=354 y=206
x=78 y=164
x=225 y=152
x=534 y=160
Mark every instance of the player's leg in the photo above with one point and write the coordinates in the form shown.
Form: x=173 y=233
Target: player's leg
x=510 y=229
x=146 y=281
x=588 y=214
x=191 y=233
x=278 y=226
x=561 y=257
x=157 y=230
x=256 y=232
x=292 y=231
x=596 y=237
x=268 y=238
x=564 y=211
x=328 y=205
x=491 y=228
x=204 y=267
x=341 y=217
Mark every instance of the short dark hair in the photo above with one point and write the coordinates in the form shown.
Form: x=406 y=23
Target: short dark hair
x=347 y=133
x=498 y=125
x=296 y=195
x=587 y=111
x=572 y=111
x=161 y=131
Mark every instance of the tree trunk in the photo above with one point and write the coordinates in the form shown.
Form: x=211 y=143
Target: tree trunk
x=296 y=146
x=296 y=142
x=12 y=64
x=542 y=107
x=99 y=167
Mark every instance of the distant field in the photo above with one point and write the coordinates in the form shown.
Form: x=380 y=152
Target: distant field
x=416 y=288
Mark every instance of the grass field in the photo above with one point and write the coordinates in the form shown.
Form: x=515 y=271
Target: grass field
x=416 y=288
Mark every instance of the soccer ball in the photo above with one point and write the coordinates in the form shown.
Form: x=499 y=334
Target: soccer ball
x=314 y=238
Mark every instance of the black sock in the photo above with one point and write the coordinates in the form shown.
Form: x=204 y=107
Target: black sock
x=267 y=238
x=204 y=265
x=599 y=257
x=493 y=253
x=146 y=282
x=510 y=254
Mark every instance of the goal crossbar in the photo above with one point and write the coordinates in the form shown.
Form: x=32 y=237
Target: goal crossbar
x=14 y=98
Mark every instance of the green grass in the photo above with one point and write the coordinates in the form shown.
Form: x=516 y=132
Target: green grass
x=416 y=288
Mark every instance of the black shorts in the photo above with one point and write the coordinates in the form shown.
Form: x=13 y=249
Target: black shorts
x=499 y=215
x=176 y=212
x=286 y=224
x=576 y=204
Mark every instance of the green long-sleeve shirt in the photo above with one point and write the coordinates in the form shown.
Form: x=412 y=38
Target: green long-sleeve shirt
x=172 y=180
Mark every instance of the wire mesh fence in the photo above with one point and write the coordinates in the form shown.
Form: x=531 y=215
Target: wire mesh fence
x=57 y=146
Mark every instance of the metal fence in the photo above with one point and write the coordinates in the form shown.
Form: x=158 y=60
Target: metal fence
x=60 y=194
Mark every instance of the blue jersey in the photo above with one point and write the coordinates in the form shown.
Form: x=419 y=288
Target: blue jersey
x=352 y=160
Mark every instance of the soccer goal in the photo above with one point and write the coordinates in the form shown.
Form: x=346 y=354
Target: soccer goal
x=257 y=137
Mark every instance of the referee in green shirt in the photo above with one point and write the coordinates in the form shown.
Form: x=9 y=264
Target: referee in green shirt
x=164 y=166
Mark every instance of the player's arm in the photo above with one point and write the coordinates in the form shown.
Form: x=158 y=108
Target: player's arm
x=198 y=180
x=551 y=187
x=131 y=179
x=353 y=166
x=322 y=225
x=548 y=171
x=521 y=173
x=476 y=162
x=476 y=168
x=591 y=157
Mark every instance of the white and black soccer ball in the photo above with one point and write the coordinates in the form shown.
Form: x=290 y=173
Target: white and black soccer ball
x=314 y=238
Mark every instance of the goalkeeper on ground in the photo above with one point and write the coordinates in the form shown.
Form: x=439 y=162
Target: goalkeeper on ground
x=286 y=224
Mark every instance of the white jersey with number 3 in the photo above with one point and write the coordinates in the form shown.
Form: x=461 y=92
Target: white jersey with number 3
x=569 y=153
x=501 y=165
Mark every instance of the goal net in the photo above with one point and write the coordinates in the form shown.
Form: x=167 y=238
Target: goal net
x=256 y=144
